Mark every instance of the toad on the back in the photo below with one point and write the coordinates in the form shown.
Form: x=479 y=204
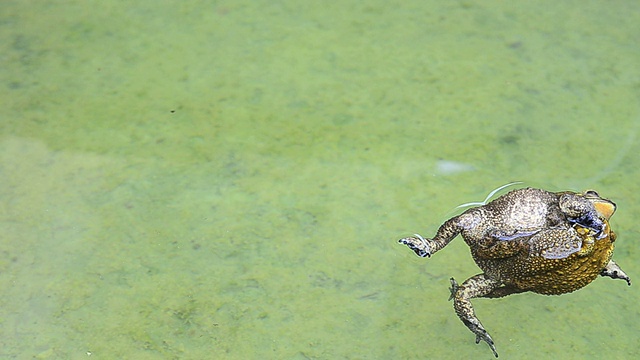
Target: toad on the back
x=528 y=240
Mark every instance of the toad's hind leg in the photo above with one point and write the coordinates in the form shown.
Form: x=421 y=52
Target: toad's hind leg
x=424 y=247
x=476 y=286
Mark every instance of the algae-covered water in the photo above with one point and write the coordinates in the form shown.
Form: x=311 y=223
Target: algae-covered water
x=228 y=179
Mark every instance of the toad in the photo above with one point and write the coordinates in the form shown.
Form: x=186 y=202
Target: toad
x=528 y=240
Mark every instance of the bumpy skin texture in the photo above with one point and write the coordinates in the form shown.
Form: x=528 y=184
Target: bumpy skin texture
x=528 y=240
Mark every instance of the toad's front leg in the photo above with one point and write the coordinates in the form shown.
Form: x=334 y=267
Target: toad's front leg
x=476 y=286
x=613 y=271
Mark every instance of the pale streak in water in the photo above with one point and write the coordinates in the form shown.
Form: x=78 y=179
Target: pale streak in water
x=488 y=196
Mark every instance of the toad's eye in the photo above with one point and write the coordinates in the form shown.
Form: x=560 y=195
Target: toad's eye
x=591 y=193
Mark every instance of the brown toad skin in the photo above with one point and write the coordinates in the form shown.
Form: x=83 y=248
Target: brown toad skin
x=528 y=240
x=531 y=272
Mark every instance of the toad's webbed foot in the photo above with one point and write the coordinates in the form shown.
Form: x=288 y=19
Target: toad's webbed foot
x=482 y=334
x=614 y=271
x=475 y=286
x=418 y=244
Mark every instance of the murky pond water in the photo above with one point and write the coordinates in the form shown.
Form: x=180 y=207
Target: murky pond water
x=227 y=180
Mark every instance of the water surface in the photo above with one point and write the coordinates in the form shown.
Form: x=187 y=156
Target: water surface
x=227 y=180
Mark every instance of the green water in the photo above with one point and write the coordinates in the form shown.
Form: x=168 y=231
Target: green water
x=227 y=180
